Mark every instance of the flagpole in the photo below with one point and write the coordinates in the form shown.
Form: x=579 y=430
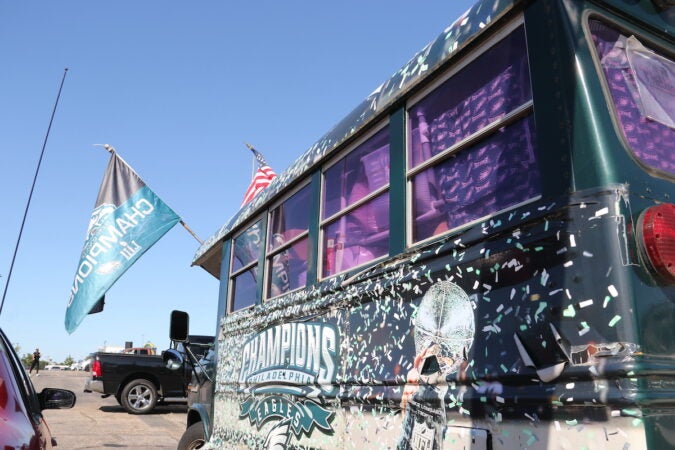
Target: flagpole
x=189 y=230
x=30 y=195
x=112 y=150
x=250 y=147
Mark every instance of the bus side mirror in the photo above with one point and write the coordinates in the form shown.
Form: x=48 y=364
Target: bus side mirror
x=173 y=359
x=180 y=326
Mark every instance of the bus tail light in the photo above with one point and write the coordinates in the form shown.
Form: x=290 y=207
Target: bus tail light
x=656 y=239
x=96 y=369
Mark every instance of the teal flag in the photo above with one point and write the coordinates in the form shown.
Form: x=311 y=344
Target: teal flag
x=127 y=220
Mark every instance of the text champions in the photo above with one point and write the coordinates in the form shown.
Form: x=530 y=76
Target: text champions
x=110 y=241
x=309 y=348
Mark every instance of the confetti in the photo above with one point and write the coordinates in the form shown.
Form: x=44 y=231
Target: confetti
x=569 y=311
x=606 y=302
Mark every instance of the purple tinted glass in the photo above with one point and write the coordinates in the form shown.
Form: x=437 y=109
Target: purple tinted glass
x=489 y=87
x=288 y=269
x=246 y=247
x=652 y=143
x=493 y=175
x=244 y=286
x=361 y=172
x=357 y=237
x=290 y=219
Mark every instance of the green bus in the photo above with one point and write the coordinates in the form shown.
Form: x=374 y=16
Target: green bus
x=481 y=255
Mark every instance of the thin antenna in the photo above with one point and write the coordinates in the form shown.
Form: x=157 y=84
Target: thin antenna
x=30 y=196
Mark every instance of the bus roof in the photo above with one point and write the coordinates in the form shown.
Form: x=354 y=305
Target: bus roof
x=454 y=38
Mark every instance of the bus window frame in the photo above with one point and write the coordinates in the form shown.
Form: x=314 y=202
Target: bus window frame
x=651 y=42
x=367 y=134
x=269 y=254
x=259 y=218
x=521 y=112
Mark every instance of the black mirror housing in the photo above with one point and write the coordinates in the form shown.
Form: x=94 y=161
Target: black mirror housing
x=173 y=359
x=180 y=326
x=51 y=398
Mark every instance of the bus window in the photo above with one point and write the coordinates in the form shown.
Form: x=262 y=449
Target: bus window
x=287 y=244
x=642 y=87
x=244 y=268
x=480 y=146
x=355 y=206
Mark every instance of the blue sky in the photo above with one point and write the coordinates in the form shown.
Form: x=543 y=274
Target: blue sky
x=176 y=88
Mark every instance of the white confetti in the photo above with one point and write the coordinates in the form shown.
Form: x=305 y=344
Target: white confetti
x=612 y=290
x=602 y=212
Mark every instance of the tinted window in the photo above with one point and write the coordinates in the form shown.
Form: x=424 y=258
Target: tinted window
x=246 y=250
x=477 y=169
x=356 y=207
x=642 y=86
x=287 y=244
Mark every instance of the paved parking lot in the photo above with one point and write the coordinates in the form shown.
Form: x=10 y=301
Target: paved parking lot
x=101 y=423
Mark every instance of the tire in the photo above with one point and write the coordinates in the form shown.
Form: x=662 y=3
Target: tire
x=193 y=438
x=139 y=396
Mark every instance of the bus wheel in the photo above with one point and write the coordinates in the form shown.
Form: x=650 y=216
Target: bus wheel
x=139 y=396
x=193 y=437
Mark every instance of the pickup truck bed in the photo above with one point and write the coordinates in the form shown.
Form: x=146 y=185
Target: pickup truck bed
x=138 y=382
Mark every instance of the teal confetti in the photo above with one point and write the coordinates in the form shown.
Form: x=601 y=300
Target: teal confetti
x=569 y=311
x=541 y=308
x=614 y=320
x=606 y=302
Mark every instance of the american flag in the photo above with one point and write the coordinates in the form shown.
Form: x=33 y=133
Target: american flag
x=261 y=179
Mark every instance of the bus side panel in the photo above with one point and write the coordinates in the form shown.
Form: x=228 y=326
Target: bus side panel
x=518 y=333
x=277 y=385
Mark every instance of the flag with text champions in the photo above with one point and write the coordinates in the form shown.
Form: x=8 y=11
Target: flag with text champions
x=127 y=220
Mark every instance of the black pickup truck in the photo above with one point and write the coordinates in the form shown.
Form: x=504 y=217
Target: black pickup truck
x=138 y=382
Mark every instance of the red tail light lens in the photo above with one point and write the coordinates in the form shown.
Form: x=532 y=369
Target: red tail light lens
x=96 y=369
x=656 y=228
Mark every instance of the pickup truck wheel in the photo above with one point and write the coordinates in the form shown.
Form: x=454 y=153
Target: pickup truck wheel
x=193 y=438
x=139 y=396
